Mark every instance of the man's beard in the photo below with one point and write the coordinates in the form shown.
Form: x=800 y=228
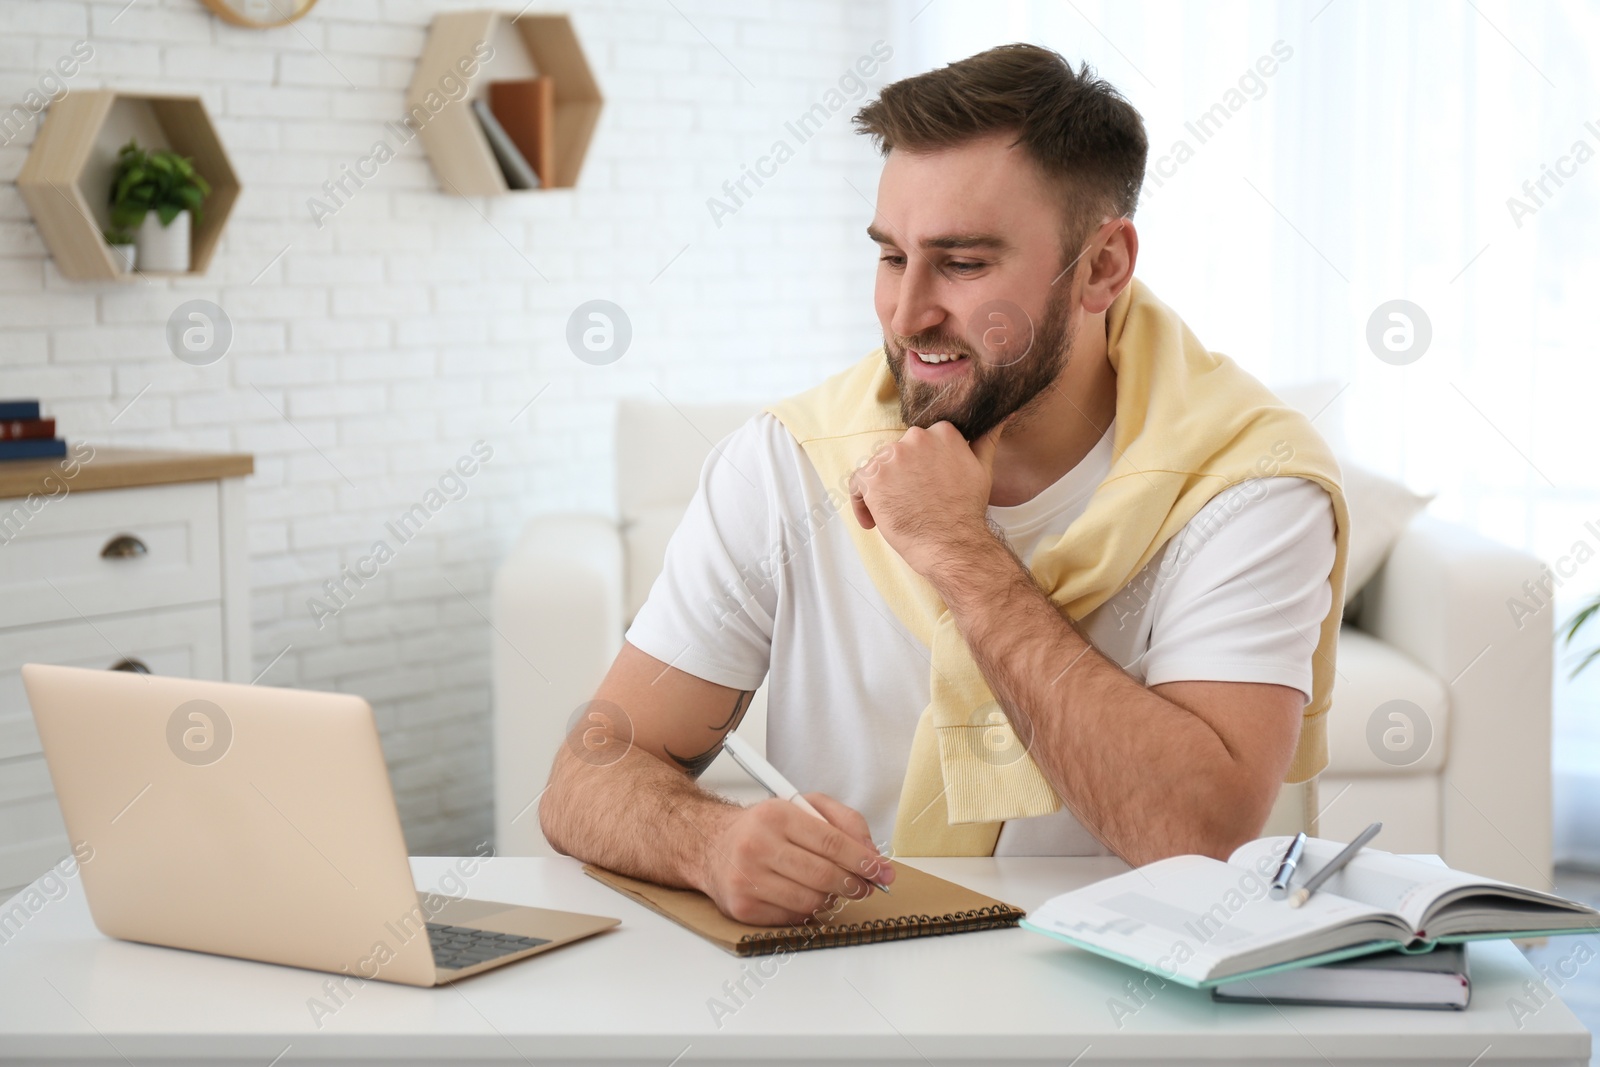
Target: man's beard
x=994 y=391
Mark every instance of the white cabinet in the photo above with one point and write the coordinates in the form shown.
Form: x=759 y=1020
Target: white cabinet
x=116 y=559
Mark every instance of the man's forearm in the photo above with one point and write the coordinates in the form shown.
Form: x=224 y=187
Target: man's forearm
x=1145 y=775
x=636 y=816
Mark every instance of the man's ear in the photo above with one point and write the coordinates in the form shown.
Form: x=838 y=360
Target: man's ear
x=1109 y=260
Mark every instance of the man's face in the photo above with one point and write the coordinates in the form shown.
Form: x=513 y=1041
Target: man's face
x=969 y=245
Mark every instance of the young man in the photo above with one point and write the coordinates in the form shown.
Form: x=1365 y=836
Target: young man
x=1041 y=576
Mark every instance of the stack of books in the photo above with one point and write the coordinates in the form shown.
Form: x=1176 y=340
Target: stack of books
x=1213 y=925
x=518 y=118
x=24 y=435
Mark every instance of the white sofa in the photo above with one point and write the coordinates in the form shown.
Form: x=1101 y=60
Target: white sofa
x=1432 y=630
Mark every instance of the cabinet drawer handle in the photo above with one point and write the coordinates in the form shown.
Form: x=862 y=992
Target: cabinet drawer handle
x=135 y=666
x=124 y=546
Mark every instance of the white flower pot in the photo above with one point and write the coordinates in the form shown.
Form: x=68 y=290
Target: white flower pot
x=126 y=256
x=164 y=248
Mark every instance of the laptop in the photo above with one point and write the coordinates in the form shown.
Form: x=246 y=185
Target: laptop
x=258 y=823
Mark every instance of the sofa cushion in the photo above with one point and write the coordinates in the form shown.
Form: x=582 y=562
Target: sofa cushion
x=644 y=549
x=1379 y=507
x=1409 y=807
x=661 y=448
x=1323 y=402
x=1389 y=715
x=1380 y=510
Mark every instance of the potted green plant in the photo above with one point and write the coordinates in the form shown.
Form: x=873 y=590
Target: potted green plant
x=123 y=248
x=1573 y=625
x=155 y=195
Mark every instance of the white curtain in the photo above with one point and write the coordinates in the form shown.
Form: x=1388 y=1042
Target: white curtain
x=1312 y=161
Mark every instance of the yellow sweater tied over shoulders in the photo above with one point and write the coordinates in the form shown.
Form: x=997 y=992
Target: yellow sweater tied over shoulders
x=1189 y=424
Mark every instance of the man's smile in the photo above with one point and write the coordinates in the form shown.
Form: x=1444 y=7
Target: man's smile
x=935 y=366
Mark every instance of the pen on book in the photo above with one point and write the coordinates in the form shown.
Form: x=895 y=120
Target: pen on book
x=770 y=778
x=1286 y=867
x=1334 y=865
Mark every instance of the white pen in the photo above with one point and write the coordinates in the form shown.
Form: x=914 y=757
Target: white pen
x=771 y=779
x=1287 y=867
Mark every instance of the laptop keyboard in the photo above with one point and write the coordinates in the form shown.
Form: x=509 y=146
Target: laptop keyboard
x=458 y=947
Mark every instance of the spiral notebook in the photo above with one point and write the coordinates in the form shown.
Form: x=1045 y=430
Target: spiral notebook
x=918 y=905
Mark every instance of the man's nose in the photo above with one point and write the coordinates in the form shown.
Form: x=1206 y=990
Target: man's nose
x=917 y=307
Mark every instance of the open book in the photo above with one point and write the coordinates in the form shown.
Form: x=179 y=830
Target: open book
x=1198 y=921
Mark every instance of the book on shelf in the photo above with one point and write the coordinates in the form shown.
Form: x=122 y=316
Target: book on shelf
x=48 y=448
x=518 y=174
x=13 y=410
x=526 y=110
x=1201 y=921
x=26 y=429
x=24 y=434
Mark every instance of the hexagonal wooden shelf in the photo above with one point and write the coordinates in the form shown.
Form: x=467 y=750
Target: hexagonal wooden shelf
x=66 y=179
x=543 y=44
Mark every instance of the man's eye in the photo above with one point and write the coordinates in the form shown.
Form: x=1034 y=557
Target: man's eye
x=962 y=266
x=892 y=260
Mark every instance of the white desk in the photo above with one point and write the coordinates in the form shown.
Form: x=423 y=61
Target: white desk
x=639 y=995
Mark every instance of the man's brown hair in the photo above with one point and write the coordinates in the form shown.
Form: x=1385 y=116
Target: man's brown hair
x=1084 y=136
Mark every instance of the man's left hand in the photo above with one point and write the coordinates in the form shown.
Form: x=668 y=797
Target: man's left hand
x=928 y=493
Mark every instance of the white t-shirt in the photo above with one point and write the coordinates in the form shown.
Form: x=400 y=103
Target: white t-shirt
x=762 y=582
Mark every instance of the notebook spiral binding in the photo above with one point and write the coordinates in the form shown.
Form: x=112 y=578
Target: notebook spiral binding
x=896 y=929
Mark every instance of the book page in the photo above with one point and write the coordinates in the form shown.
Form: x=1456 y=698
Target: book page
x=1405 y=886
x=1434 y=900
x=1199 y=918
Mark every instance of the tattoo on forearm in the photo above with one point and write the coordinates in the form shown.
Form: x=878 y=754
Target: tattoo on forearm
x=696 y=765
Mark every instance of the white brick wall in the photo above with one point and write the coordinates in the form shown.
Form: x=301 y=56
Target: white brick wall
x=415 y=323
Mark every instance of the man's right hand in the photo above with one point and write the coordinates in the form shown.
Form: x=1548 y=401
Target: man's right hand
x=634 y=806
x=775 y=864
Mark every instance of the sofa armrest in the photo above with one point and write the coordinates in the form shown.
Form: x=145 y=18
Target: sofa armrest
x=557 y=626
x=1445 y=598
